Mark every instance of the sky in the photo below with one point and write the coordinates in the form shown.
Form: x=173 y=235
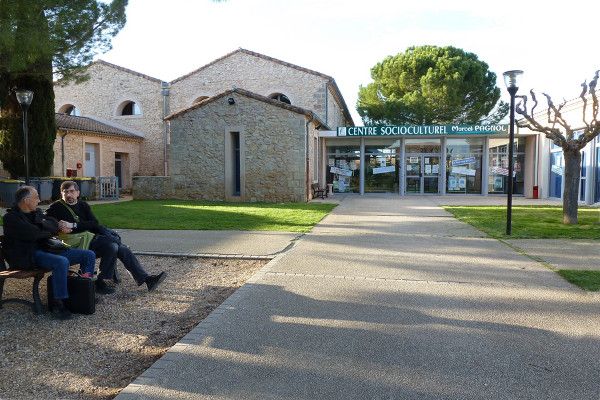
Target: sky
x=555 y=44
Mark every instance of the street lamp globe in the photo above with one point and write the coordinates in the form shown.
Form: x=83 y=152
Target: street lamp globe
x=24 y=97
x=512 y=79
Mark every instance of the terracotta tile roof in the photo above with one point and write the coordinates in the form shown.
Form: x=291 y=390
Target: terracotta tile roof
x=88 y=125
x=336 y=90
x=249 y=94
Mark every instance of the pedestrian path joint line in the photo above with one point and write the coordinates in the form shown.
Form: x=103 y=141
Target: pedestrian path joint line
x=403 y=280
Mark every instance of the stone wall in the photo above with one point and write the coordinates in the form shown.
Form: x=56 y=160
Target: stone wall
x=152 y=187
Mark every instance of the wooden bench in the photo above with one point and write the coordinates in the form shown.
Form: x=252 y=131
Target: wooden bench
x=36 y=274
x=318 y=192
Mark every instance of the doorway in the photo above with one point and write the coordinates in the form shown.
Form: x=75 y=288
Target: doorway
x=422 y=174
x=90 y=159
x=119 y=169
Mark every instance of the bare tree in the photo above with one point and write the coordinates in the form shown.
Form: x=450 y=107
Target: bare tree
x=571 y=140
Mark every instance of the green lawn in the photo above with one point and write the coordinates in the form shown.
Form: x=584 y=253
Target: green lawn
x=179 y=214
x=587 y=280
x=538 y=222
x=530 y=222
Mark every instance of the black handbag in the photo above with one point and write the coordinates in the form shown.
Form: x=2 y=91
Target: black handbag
x=55 y=246
x=82 y=294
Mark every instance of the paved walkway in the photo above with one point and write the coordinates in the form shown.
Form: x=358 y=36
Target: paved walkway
x=389 y=298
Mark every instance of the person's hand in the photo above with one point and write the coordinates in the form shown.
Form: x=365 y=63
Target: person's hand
x=64 y=226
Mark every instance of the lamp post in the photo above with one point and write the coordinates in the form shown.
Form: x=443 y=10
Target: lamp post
x=24 y=98
x=512 y=80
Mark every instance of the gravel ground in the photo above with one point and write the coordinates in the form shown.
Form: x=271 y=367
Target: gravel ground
x=96 y=356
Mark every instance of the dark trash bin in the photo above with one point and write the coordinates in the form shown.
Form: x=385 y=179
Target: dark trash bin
x=7 y=191
x=43 y=186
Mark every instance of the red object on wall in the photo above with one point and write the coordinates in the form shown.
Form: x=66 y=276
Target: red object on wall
x=535 y=192
x=79 y=165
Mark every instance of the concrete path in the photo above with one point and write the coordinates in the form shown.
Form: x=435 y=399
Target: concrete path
x=227 y=244
x=390 y=298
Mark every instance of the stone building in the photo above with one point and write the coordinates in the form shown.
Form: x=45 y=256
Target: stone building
x=78 y=138
x=241 y=128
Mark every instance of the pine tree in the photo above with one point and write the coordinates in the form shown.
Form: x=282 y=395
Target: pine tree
x=41 y=40
x=431 y=85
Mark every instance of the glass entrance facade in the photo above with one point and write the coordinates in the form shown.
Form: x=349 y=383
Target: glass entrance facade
x=440 y=159
x=343 y=165
x=382 y=166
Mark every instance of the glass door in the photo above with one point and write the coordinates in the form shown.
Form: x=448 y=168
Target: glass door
x=414 y=174
x=431 y=174
x=422 y=174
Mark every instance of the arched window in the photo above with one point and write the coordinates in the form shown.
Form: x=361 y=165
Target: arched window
x=281 y=97
x=130 y=108
x=69 y=109
x=199 y=99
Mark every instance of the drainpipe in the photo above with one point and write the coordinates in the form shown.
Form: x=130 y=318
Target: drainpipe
x=327 y=102
x=62 y=148
x=312 y=117
x=165 y=94
x=535 y=171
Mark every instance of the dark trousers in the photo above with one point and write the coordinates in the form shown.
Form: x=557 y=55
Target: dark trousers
x=110 y=252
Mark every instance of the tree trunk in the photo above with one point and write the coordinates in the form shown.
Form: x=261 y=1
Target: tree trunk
x=571 y=182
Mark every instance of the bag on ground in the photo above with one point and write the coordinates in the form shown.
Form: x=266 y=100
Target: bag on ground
x=82 y=294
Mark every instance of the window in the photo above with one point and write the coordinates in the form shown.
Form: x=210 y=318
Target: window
x=556 y=173
x=280 y=97
x=343 y=165
x=597 y=196
x=69 y=109
x=498 y=166
x=464 y=165
x=130 y=108
x=382 y=165
x=235 y=137
x=234 y=165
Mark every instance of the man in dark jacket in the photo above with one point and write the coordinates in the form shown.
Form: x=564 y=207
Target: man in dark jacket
x=76 y=216
x=26 y=230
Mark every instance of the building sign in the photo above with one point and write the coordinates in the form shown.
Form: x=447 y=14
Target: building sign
x=463 y=161
x=422 y=130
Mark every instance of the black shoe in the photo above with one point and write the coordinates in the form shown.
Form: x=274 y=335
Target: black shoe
x=154 y=280
x=103 y=288
x=60 y=311
x=116 y=277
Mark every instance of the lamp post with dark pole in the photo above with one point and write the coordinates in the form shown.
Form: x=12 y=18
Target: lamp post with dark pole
x=24 y=98
x=512 y=80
